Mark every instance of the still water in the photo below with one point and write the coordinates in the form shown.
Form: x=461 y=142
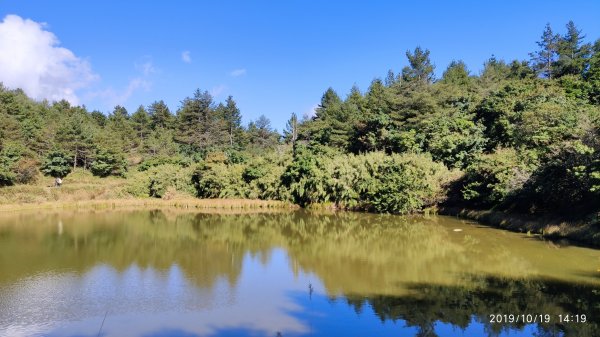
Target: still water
x=172 y=273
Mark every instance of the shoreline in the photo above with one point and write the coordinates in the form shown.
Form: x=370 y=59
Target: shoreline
x=187 y=203
x=582 y=231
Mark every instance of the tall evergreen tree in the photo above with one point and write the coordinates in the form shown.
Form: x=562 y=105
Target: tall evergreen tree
x=543 y=60
x=160 y=115
x=141 y=122
x=233 y=121
x=291 y=132
x=456 y=73
x=120 y=127
x=420 y=68
x=572 y=54
x=197 y=121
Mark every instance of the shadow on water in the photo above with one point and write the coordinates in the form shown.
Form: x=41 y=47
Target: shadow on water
x=438 y=310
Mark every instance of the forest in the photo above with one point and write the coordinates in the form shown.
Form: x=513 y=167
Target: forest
x=520 y=136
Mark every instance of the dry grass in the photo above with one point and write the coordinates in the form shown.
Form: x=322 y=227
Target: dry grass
x=207 y=204
x=82 y=190
x=586 y=230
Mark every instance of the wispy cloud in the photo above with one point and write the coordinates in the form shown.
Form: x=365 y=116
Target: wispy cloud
x=218 y=90
x=142 y=81
x=186 y=56
x=31 y=59
x=146 y=67
x=238 y=72
x=114 y=97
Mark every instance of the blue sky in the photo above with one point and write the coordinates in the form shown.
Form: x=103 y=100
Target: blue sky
x=274 y=57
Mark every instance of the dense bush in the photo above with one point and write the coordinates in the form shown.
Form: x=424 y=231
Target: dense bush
x=108 y=163
x=156 y=181
x=375 y=181
x=57 y=164
x=493 y=177
x=148 y=163
x=17 y=165
x=219 y=180
x=566 y=180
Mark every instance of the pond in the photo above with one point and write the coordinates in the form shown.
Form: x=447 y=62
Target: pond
x=175 y=273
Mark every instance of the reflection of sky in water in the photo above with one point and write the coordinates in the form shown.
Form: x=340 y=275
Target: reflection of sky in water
x=143 y=301
x=268 y=299
x=162 y=274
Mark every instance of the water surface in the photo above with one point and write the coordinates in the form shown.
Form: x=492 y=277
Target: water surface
x=172 y=273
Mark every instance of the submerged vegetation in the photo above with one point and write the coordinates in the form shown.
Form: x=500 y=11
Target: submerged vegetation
x=522 y=136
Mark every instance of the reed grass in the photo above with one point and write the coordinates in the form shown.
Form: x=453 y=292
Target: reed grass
x=81 y=190
x=198 y=204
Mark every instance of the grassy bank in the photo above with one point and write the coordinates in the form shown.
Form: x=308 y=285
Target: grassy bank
x=82 y=190
x=581 y=229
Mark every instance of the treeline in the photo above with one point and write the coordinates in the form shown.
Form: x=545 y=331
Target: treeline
x=521 y=135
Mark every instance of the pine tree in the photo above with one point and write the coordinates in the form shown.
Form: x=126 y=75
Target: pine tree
x=160 y=115
x=141 y=122
x=544 y=59
x=291 y=132
x=233 y=121
x=456 y=73
x=572 y=54
x=197 y=121
x=420 y=68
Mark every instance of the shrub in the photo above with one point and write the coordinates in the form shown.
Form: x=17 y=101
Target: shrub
x=107 y=163
x=566 y=180
x=17 y=165
x=26 y=171
x=156 y=181
x=398 y=183
x=218 y=180
x=148 y=163
x=492 y=178
x=57 y=164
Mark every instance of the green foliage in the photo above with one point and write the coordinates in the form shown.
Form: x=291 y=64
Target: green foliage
x=157 y=181
x=492 y=178
x=420 y=69
x=108 y=163
x=565 y=181
x=7 y=176
x=219 y=180
x=162 y=160
x=376 y=182
x=17 y=165
x=305 y=179
x=57 y=164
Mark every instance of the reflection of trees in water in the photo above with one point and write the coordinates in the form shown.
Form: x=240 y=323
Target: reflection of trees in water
x=410 y=268
x=457 y=305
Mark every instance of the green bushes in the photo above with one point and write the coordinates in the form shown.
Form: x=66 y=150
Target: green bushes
x=398 y=183
x=57 y=164
x=107 y=163
x=256 y=179
x=566 y=181
x=493 y=177
x=17 y=165
x=219 y=180
x=159 y=180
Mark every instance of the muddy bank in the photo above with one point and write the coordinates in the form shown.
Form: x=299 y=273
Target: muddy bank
x=585 y=229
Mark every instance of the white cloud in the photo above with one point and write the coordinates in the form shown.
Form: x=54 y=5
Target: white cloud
x=218 y=90
x=112 y=97
x=31 y=59
x=186 y=56
x=146 y=68
x=237 y=72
